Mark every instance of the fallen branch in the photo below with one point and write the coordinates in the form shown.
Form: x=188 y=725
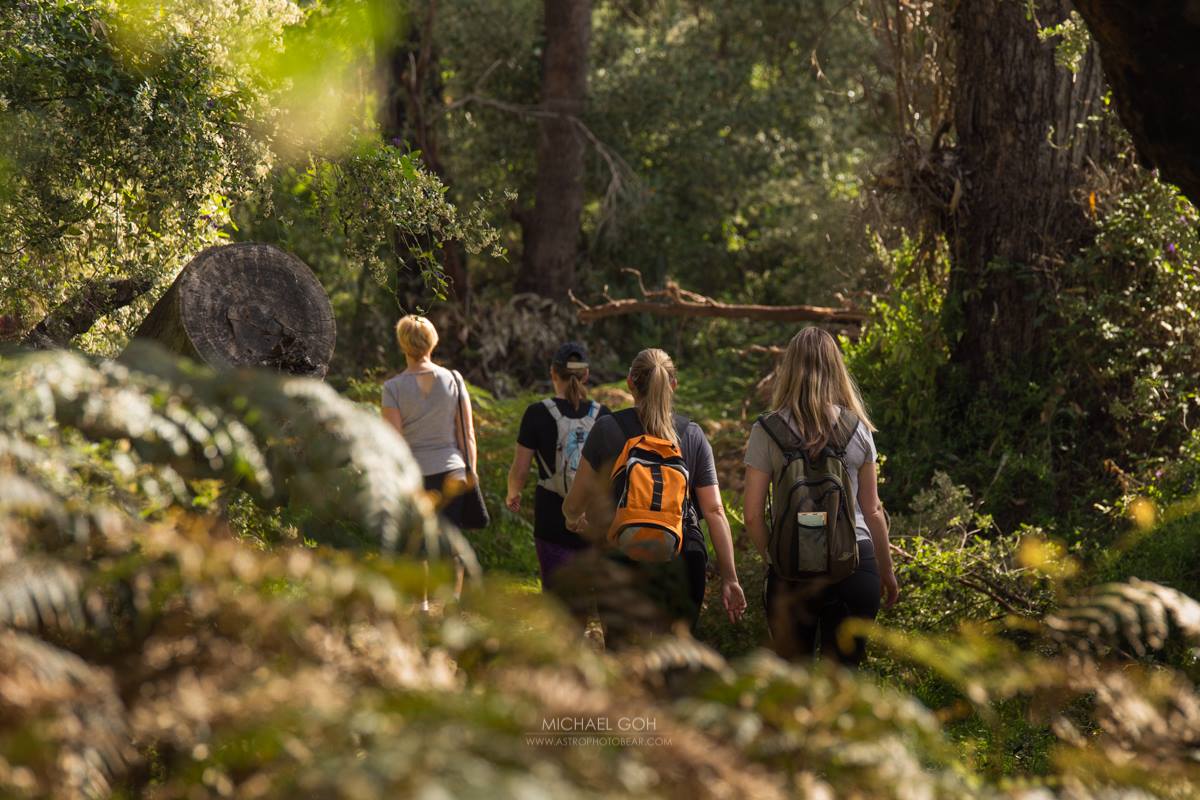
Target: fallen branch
x=674 y=301
x=78 y=313
x=976 y=583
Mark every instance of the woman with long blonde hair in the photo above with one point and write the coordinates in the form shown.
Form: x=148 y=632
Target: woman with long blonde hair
x=676 y=585
x=813 y=393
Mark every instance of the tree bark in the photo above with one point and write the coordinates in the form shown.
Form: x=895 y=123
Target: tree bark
x=79 y=312
x=246 y=305
x=1023 y=146
x=1151 y=61
x=412 y=91
x=683 y=308
x=551 y=231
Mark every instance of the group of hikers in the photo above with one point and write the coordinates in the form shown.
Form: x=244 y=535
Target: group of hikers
x=634 y=484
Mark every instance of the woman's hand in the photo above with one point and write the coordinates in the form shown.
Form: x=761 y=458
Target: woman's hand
x=890 y=587
x=734 y=599
x=577 y=524
x=517 y=474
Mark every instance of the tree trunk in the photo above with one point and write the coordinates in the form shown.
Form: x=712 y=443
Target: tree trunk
x=1151 y=61
x=412 y=91
x=551 y=232
x=246 y=305
x=1023 y=146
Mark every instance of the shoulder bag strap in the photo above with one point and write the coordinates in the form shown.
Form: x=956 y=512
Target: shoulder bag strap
x=462 y=416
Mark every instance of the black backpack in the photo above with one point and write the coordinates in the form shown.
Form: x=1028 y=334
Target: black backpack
x=812 y=533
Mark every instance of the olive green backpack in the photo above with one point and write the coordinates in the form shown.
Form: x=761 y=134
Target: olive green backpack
x=812 y=534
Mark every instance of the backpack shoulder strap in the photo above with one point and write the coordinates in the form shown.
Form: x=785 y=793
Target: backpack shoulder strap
x=843 y=430
x=628 y=422
x=552 y=407
x=781 y=434
x=593 y=410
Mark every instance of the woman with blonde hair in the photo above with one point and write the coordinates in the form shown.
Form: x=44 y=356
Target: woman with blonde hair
x=818 y=407
x=429 y=406
x=676 y=582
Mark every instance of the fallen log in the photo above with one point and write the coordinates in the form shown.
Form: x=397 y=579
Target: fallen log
x=674 y=301
x=246 y=305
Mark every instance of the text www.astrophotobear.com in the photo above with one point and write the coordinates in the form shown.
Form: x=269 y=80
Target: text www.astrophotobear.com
x=597 y=732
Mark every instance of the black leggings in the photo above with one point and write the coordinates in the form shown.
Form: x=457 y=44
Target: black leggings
x=802 y=614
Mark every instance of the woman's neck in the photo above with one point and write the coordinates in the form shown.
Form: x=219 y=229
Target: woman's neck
x=418 y=364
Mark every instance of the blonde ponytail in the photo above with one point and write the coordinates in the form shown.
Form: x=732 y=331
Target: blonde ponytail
x=652 y=374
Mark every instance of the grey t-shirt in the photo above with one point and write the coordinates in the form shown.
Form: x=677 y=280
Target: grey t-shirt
x=428 y=403
x=764 y=455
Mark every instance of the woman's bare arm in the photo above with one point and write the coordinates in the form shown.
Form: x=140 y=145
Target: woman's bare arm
x=582 y=489
x=517 y=473
x=392 y=417
x=713 y=509
x=754 y=507
x=872 y=510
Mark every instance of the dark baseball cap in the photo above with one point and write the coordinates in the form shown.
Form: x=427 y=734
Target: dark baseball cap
x=571 y=355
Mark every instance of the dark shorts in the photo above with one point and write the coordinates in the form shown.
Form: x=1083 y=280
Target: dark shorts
x=804 y=616
x=452 y=511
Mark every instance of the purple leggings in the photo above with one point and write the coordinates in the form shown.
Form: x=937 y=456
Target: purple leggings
x=552 y=557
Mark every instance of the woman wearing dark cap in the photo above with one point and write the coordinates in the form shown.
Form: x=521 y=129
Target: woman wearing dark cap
x=553 y=432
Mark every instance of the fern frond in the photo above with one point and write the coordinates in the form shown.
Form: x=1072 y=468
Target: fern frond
x=38 y=594
x=1138 y=616
x=69 y=709
x=674 y=654
x=284 y=440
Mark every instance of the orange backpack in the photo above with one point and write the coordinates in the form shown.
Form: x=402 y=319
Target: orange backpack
x=650 y=490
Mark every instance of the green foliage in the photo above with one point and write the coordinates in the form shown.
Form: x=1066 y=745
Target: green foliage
x=1134 y=322
x=897 y=361
x=1074 y=40
x=286 y=442
x=121 y=152
x=727 y=142
x=135 y=134
x=1166 y=554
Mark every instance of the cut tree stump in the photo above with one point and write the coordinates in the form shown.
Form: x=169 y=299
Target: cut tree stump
x=246 y=305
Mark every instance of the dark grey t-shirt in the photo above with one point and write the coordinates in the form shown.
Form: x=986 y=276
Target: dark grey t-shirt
x=607 y=439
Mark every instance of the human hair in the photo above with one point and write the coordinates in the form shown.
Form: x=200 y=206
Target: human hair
x=576 y=390
x=416 y=336
x=811 y=379
x=652 y=373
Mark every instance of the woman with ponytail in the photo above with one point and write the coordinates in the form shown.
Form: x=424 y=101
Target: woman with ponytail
x=675 y=585
x=552 y=432
x=817 y=402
